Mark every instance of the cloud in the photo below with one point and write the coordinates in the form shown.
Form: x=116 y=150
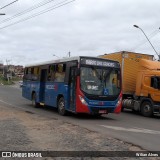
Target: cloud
x=83 y=27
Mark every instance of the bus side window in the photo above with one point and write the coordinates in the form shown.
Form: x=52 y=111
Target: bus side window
x=25 y=74
x=51 y=73
x=28 y=75
x=31 y=74
x=26 y=71
x=32 y=70
x=35 y=74
x=60 y=72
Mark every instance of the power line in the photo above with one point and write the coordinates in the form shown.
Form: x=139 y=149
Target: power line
x=27 y=10
x=8 y=4
x=39 y=13
x=151 y=36
x=144 y=41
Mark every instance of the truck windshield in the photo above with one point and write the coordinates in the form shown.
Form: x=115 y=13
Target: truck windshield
x=100 y=81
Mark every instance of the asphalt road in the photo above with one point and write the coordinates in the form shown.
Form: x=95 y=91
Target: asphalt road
x=127 y=126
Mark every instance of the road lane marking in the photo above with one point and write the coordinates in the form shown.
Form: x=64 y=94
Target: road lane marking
x=12 y=105
x=137 y=130
x=7 y=103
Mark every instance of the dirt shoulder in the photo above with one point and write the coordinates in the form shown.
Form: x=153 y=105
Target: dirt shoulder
x=25 y=131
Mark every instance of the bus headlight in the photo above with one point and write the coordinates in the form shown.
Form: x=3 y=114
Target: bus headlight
x=83 y=100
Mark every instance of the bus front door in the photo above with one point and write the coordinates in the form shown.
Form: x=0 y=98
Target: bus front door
x=72 y=89
x=42 y=85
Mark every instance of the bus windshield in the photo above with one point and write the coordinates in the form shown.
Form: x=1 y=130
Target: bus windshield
x=100 y=81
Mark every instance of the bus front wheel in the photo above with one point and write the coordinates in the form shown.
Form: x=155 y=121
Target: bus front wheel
x=34 y=102
x=61 y=106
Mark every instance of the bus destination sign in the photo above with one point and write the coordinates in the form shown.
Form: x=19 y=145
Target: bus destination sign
x=94 y=62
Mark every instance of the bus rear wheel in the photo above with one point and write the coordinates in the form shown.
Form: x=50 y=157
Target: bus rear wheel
x=61 y=107
x=34 y=102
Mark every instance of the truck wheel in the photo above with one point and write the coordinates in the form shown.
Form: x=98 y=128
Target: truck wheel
x=61 y=107
x=34 y=102
x=146 y=109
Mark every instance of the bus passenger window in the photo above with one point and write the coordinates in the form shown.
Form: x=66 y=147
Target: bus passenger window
x=35 y=74
x=28 y=74
x=32 y=70
x=29 y=70
x=51 y=73
x=49 y=78
x=60 y=73
x=26 y=71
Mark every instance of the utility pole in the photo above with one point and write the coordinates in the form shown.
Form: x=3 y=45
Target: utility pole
x=69 y=53
x=8 y=73
x=7 y=63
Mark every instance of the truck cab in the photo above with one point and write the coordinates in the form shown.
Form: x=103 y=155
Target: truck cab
x=148 y=87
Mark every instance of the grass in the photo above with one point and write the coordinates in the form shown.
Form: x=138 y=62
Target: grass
x=3 y=81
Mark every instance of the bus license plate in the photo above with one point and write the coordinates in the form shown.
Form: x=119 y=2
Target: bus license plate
x=102 y=111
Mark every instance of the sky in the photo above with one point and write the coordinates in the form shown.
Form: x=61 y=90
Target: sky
x=81 y=27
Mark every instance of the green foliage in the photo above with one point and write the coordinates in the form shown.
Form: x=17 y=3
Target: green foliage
x=4 y=81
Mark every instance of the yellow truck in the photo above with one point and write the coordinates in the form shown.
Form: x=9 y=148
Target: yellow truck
x=140 y=81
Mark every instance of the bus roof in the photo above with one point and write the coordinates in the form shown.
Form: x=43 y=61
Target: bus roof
x=64 y=60
x=54 y=61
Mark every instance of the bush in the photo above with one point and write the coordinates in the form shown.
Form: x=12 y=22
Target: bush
x=4 y=81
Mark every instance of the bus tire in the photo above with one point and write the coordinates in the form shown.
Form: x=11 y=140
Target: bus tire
x=146 y=109
x=34 y=102
x=61 y=107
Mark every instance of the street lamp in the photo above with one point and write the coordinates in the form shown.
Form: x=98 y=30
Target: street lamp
x=148 y=40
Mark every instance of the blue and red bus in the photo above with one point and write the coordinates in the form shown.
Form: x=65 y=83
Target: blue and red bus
x=77 y=84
